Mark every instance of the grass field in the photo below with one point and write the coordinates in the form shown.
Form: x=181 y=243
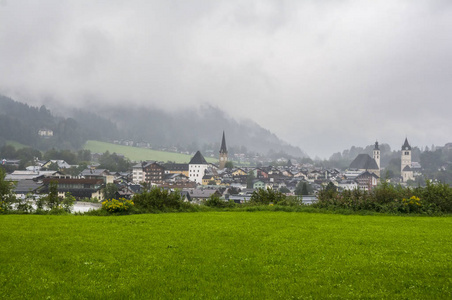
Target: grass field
x=16 y=145
x=225 y=255
x=140 y=154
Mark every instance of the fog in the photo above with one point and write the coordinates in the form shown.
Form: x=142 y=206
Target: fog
x=322 y=75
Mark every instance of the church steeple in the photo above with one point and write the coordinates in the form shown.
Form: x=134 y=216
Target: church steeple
x=223 y=153
x=376 y=155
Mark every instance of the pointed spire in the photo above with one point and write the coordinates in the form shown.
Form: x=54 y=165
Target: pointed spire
x=406 y=145
x=376 y=146
x=223 y=148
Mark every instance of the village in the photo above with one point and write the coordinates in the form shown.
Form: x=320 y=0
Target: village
x=197 y=180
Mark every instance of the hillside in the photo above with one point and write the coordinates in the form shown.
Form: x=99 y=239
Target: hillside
x=191 y=129
x=140 y=154
x=188 y=130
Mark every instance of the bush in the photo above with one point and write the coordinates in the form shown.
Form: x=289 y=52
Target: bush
x=117 y=205
x=432 y=199
x=269 y=196
x=158 y=199
x=215 y=201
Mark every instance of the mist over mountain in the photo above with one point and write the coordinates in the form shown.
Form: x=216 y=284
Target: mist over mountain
x=193 y=127
x=190 y=129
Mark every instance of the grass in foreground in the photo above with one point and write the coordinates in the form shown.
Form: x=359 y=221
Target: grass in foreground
x=224 y=255
x=140 y=154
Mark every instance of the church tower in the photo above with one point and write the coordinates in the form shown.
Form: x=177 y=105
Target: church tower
x=223 y=153
x=405 y=168
x=377 y=154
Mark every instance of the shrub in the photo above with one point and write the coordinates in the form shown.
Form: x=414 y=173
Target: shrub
x=432 y=199
x=158 y=199
x=117 y=205
x=267 y=196
x=215 y=201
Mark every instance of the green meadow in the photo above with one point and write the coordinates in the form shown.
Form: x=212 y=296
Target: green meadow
x=140 y=154
x=225 y=255
x=16 y=145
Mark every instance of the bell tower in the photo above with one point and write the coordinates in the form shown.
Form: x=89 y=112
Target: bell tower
x=406 y=155
x=405 y=168
x=223 y=153
x=377 y=154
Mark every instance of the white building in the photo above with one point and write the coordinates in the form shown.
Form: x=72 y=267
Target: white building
x=137 y=173
x=197 y=168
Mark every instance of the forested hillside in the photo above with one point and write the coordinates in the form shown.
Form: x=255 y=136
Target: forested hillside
x=189 y=130
x=21 y=123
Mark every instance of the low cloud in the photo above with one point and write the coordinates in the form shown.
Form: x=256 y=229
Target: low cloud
x=323 y=75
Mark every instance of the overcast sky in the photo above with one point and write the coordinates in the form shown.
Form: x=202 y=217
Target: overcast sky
x=323 y=75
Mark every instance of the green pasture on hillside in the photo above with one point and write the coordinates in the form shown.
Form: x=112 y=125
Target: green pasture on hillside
x=16 y=145
x=140 y=154
x=225 y=255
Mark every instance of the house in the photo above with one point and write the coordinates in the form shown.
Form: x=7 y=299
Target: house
x=239 y=172
x=45 y=132
x=60 y=163
x=347 y=184
x=19 y=175
x=367 y=180
x=197 y=195
x=197 y=168
x=137 y=173
x=207 y=179
x=176 y=168
x=153 y=173
x=78 y=187
x=103 y=174
x=11 y=162
x=259 y=184
x=23 y=187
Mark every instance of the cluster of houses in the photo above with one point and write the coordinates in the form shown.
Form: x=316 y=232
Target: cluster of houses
x=198 y=179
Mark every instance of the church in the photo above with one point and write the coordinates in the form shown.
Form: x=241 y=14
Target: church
x=223 y=153
x=363 y=162
x=405 y=167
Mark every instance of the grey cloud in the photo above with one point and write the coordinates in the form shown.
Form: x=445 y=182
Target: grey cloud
x=323 y=75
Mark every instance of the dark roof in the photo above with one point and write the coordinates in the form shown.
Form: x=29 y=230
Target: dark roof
x=223 y=148
x=25 y=186
x=406 y=145
x=176 y=167
x=94 y=172
x=364 y=161
x=376 y=146
x=407 y=168
x=198 y=159
x=73 y=181
x=366 y=174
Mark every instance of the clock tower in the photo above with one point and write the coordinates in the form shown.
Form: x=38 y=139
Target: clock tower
x=223 y=153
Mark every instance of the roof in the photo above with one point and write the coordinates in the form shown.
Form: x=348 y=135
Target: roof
x=25 y=186
x=407 y=168
x=376 y=146
x=73 y=181
x=201 y=193
x=94 y=172
x=198 y=159
x=367 y=174
x=223 y=148
x=176 y=167
x=364 y=161
x=406 y=145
